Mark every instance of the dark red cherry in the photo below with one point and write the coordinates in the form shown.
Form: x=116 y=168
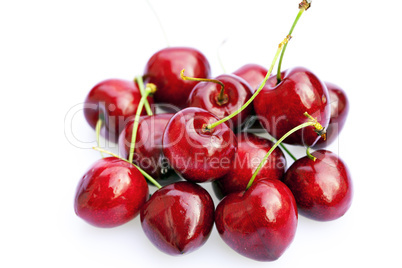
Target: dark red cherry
x=254 y=74
x=206 y=95
x=110 y=193
x=148 y=146
x=196 y=153
x=114 y=101
x=322 y=188
x=259 y=223
x=339 y=112
x=281 y=107
x=164 y=67
x=251 y=149
x=178 y=218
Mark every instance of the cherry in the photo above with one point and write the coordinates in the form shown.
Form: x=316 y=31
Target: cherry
x=251 y=149
x=110 y=193
x=223 y=99
x=259 y=223
x=322 y=188
x=148 y=147
x=178 y=218
x=280 y=107
x=197 y=153
x=339 y=112
x=253 y=74
x=113 y=101
x=163 y=70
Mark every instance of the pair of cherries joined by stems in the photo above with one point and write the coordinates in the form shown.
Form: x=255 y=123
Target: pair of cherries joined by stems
x=258 y=213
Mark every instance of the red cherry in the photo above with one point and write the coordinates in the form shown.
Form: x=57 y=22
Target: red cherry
x=322 y=188
x=206 y=95
x=114 y=101
x=198 y=154
x=163 y=69
x=148 y=146
x=110 y=193
x=280 y=107
x=254 y=74
x=251 y=149
x=259 y=223
x=178 y=218
x=339 y=112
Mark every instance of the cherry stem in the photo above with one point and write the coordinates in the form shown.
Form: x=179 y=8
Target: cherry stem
x=141 y=86
x=310 y=155
x=146 y=175
x=303 y=6
x=312 y=122
x=150 y=88
x=221 y=96
x=97 y=130
x=211 y=126
x=288 y=152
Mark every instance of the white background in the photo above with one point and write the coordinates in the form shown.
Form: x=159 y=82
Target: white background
x=53 y=52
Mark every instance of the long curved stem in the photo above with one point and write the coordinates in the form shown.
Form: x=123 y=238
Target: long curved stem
x=136 y=122
x=273 y=148
x=278 y=51
x=97 y=130
x=140 y=83
x=146 y=175
x=303 y=7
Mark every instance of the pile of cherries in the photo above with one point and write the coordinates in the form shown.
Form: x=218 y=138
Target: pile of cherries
x=205 y=135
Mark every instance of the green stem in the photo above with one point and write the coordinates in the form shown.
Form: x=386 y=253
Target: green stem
x=273 y=148
x=288 y=152
x=97 y=130
x=140 y=83
x=211 y=126
x=310 y=155
x=146 y=175
x=278 y=74
x=136 y=122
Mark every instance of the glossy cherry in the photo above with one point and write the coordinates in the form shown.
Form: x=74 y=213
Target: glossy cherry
x=280 y=107
x=322 y=188
x=196 y=153
x=163 y=70
x=178 y=218
x=254 y=74
x=114 y=101
x=251 y=149
x=206 y=95
x=110 y=193
x=339 y=112
x=259 y=223
x=148 y=146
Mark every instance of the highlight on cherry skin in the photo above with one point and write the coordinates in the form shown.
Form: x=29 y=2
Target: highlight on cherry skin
x=114 y=101
x=259 y=223
x=251 y=149
x=196 y=153
x=282 y=105
x=110 y=193
x=163 y=70
x=339 y=111
x=148 y=153
x=223 y=99
x=178 y=218
x=322 y=188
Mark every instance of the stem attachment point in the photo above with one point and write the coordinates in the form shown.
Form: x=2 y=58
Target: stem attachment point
x=220 y=98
